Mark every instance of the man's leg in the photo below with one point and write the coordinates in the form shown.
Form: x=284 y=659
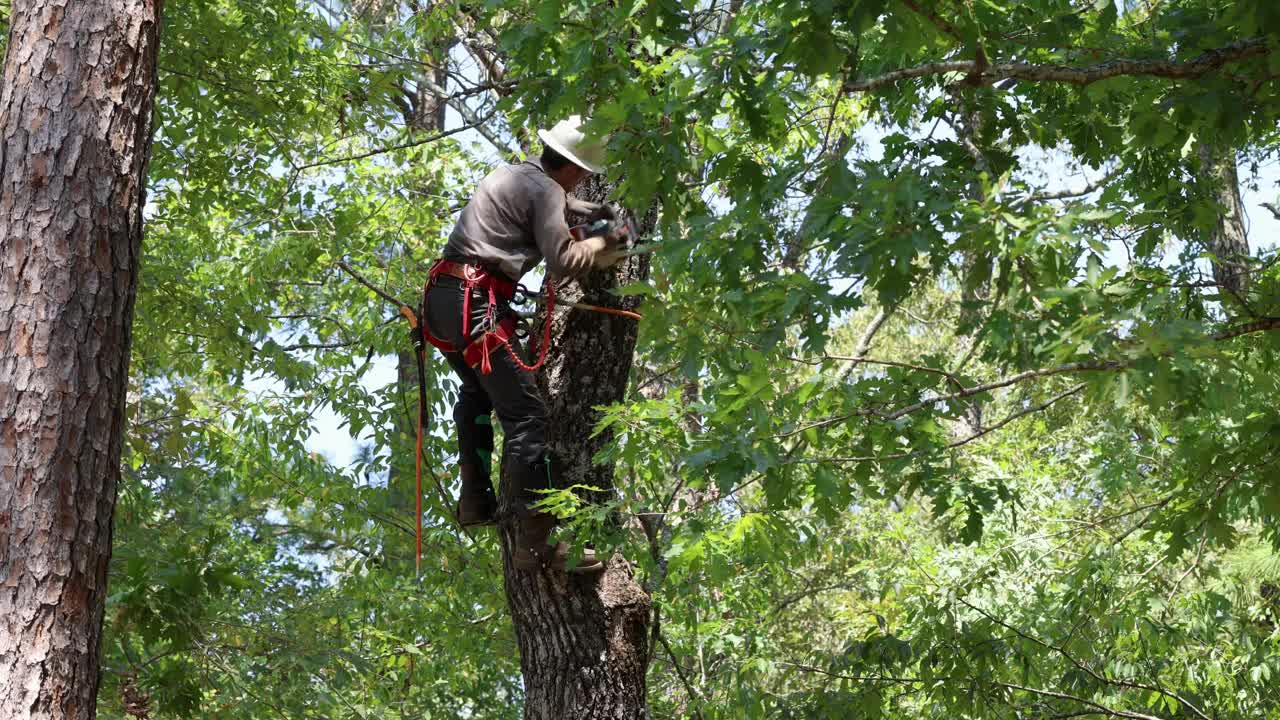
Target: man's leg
x=524 y=421
x=473 y=417
x=514 y=394
x=528 y=466
x=472 y=414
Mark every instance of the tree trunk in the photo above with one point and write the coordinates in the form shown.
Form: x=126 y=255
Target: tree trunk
x=583 y=639
x=976 y=289
x=1229 y=242
x=75 y=108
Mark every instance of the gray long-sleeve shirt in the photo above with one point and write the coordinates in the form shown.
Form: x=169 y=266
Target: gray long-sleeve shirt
x=515 y=218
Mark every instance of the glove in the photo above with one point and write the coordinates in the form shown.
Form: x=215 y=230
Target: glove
x=593 y=211
x=613 y=252
x=604 y=212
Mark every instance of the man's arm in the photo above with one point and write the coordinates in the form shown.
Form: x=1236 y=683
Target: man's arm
x=565 y=257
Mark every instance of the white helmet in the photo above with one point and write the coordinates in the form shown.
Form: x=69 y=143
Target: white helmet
x=568 y=139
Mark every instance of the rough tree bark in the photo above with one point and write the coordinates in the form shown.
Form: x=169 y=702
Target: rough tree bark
x=583 y=639
x=75 y=112
x=1228 y=241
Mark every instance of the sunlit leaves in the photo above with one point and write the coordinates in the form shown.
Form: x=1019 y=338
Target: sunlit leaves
x=834 y=523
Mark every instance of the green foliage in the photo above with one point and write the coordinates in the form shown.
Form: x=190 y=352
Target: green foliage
x=914 y=432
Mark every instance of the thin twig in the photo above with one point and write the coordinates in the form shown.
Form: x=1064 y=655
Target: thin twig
x=342 y=264
x=694 y=696
x=382 y=151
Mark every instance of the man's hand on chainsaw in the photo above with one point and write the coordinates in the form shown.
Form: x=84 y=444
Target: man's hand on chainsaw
x=604 y=212
x=606 y=250
x=609 y=248
x=614 y=250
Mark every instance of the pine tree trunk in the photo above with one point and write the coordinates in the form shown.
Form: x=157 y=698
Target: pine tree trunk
x=75 y=112
x=583 y=639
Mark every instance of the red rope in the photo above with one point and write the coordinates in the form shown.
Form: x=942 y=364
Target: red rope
x=546 y=334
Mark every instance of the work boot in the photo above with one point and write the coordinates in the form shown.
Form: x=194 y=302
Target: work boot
x=533 y=551
x=477 y=505
x=533 y=526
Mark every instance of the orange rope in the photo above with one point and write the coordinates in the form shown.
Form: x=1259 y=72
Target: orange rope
x=605 y=310
x=543 y=298
x=417 y=500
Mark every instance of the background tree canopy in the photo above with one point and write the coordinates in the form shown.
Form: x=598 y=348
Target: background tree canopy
x=956 y=393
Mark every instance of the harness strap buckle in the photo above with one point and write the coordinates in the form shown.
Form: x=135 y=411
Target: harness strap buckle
x=497 y=330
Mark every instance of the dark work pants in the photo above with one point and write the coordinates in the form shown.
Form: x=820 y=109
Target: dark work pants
x=512 y=392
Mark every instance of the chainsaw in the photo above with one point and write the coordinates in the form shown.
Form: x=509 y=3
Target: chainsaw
x=622 y=228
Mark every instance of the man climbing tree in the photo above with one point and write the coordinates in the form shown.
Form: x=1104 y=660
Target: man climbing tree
x=75 y=108
x=515 y=218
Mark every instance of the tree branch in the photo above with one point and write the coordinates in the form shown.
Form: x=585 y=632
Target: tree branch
x=1074 y=698
x=382 y=151
x=694 y=696
x=1068 y=194
x=1207 y=62
x=1014 y=416
x=937 y=20
x=864 y=344
x=365 y=282
x=1103 y=709
x=467 y=114
x=857 y=360
x=1262 y=325
x=317 y=346
x=958 y=443
x=966 y=392
x=1080 y=665
x=1076 y=367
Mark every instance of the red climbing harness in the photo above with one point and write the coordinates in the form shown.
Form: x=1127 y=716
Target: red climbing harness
x=497 y=333
x=477 y=352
